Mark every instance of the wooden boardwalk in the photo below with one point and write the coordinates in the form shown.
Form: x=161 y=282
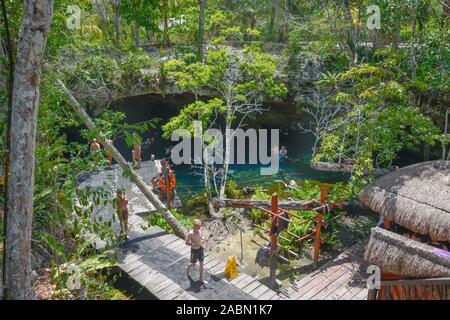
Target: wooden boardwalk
x=343 y=278
x=157 y=260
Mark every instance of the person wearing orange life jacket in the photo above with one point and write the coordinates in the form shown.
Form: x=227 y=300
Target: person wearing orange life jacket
x=167 y=179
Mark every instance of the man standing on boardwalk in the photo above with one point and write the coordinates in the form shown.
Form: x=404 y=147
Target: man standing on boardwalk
x=194 y=239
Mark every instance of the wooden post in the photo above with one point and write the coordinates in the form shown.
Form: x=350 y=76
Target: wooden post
x=168 y=189
x=317 y=239
x=387 y=224
x=323 y=196
x=242 y=246
x=274 y=241
x=274 y=209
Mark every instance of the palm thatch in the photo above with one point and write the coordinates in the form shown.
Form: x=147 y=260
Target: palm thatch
x=403 y=256
x=416 y=197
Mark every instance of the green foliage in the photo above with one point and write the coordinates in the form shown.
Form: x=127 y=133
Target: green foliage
x=131 y=67
x=112 y=126
x=155 y=219
x=187 y=75
x=93 y=273
x=144 y=13
x=197 y=111
x=378 y=123
x=232 y=33
x=307 y=191
x=233 y=191
x=257 y=78
x=259 y=194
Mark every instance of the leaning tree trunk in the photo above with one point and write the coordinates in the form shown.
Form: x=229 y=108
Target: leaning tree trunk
x=34 y=32
x=176 y=226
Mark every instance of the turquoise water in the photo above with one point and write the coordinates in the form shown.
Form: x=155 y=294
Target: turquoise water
x=190 y=180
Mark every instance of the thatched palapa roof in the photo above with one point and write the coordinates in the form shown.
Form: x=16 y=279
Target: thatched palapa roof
x=416 y=197
x=407 y=257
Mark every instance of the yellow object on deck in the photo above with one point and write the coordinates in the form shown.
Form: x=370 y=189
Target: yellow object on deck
x=231 y=270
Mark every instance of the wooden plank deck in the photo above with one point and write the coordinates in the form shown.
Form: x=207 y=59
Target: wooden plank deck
x=158 y=262
x=156 y=259
x=343 y=278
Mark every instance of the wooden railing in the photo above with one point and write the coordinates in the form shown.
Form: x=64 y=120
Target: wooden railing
x=276 y=213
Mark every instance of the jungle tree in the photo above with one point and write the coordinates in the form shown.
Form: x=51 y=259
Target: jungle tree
x=25 y=104
x=241 y=83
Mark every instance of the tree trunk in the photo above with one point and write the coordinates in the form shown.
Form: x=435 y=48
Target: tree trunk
x=137 y=38
x=2 y=78
x=201 y=28
x=226 y=160
x=176 y=226
x=272 y=19
x=353 y=33
x=149 y=35
x=101 y=11
x=116 y=21
x=445 y=14
x=300 y=205
x=33 y=37
x=211 y=209
x=446 y=134
x=412 y=96
x=6 y=51
x=166 y=29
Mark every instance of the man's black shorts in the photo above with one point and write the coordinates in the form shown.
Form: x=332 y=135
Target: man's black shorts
x=197 y=254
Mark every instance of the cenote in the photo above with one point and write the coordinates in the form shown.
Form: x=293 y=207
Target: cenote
x=282 y=116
